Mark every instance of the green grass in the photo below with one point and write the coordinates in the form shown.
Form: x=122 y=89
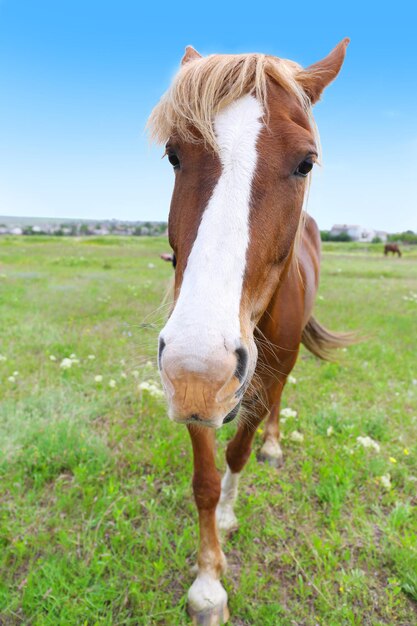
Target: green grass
x=97 y=521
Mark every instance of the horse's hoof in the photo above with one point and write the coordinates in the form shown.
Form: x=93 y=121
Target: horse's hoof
x=271 y=453
x=207 y=601
x=211 y=617
x=270 y=460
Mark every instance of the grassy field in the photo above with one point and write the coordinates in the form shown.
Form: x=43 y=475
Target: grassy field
x=97 y=522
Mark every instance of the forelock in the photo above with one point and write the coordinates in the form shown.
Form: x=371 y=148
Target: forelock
x=206 y=85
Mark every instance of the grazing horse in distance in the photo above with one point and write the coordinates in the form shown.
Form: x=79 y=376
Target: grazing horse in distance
x=239 y=134
x=392 y=247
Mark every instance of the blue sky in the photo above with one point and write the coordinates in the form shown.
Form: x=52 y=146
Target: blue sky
x=78 y=80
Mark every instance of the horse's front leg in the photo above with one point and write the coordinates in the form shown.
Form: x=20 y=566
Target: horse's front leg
x=207 y=599
x=237 y=454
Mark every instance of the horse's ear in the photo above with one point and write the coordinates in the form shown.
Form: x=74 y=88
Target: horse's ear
x=315 y=78
x=190 y=55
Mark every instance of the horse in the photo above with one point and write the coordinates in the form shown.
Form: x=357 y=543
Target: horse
x=239 y=134
x=392 y=247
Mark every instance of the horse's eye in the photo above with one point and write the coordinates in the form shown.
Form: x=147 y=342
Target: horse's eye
x=174 y=160
x=304 y=167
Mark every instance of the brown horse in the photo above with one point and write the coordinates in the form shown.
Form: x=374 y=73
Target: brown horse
x=392 y=247
x=240 y=136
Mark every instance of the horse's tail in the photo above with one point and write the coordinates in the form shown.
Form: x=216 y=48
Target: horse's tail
x=322 y=342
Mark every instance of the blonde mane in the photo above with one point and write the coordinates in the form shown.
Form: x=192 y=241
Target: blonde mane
x=205 y=85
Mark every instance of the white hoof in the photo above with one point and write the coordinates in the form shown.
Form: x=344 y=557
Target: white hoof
x=271 y=453
x=207 y=601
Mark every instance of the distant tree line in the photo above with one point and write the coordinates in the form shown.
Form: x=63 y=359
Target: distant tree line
x=59 y=231
x=327 y=236
x=407 y=237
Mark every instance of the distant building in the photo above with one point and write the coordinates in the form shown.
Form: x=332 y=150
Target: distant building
x=68 y=227
x=383 y=236
x=358 y=233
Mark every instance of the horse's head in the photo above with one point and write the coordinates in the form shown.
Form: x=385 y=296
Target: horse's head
x=240 y=137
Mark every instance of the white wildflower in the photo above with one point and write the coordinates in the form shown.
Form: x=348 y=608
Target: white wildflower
x=73 y=356
x=123 y=375
x=16 y=373
x=98 y=378
x=52 y=357
x=297 y=437
x=135 y=374
x=386 y=481
x=368 y=442
x=291 y=379
x=91 y=357
x=330 y=431
x=112 y=383
x=66 y=364
x=151 y=388
x=412 y=297
x=3 y=358
x=148 y=364
x=288 y=412
x=11 y=379
x=122 y=362
x=151 y=265
x=156 y=392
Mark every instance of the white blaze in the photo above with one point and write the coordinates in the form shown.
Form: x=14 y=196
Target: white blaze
x=205 y=320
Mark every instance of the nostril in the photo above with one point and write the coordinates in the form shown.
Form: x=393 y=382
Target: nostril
x=242 y=357
x=231 y=416
x=160 y=351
